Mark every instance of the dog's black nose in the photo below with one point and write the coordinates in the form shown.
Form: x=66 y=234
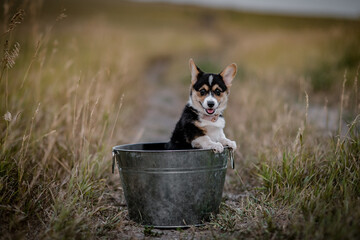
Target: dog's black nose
x=210 y=104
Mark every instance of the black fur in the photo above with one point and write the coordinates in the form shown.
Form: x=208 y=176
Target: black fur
x=185 y=130
x=203 y=79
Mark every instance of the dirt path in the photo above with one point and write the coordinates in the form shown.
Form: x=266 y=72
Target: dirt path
x=164 y=106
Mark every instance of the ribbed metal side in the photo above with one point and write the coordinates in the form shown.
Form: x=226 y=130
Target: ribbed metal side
x=166 y=188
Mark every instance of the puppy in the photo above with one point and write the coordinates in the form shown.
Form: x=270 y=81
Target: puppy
x=201 y=124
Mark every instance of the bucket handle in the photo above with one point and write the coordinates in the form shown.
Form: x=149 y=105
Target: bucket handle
x=232 y=162
x=113 y=161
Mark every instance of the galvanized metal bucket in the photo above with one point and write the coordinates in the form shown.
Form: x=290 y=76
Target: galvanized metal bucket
x=171 y=188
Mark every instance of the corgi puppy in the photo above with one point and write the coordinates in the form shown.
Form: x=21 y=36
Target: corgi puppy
x=201 y=124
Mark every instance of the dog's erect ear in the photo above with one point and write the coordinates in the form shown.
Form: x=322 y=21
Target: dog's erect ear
x=194 y=71
x=228 y=74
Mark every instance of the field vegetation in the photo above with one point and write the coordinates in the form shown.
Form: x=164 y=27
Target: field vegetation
x=73 y=83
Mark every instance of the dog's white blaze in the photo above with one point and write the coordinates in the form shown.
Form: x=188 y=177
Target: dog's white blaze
x=214 y=137
x=214 y=129
x=215 y=134
x=210 y=79
x=210 y=99
x=209 y=125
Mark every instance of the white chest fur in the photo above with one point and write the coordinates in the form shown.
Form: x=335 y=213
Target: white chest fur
x=213 y=129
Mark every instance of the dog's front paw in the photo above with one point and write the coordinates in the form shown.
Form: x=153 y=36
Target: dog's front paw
x=229 y=143
x=232 y=144
x=217 y=147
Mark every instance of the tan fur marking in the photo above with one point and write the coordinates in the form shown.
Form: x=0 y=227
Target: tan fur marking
x=216 y=86
x=218 y=98
x=196 y=96
x=195 y=99
x=193 y=70
x=228 y=74
x=197 y=124
x=204 y=87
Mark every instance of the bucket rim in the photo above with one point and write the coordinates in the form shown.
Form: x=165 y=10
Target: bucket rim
x=115 y=149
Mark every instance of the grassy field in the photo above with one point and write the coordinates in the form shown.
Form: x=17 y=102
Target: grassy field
x=73 y=84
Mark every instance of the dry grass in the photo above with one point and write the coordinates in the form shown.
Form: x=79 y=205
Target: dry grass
x=70 y=90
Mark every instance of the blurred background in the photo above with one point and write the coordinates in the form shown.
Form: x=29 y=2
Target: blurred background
x=294 y=46
x=79 y=77
x=329 y=8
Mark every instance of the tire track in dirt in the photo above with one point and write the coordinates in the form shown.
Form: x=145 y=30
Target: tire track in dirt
x=163 y=104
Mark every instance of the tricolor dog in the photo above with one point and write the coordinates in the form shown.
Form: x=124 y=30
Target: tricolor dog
x=201 y=124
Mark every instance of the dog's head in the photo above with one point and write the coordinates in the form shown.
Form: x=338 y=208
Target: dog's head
x=209 y=92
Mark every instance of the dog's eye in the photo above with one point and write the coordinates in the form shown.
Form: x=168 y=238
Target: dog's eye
x=202 y=92
x=217 y=92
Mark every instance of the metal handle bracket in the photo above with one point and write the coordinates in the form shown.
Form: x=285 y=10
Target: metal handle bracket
x=232 y=162
x=113 y=161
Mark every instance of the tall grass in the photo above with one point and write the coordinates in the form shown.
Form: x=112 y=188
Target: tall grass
x=308 y=188
x=320 y=182
x=322 y=186
x=57 y=128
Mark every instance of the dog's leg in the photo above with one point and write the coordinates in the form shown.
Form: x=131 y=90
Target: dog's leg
x=206 y=143
x=227 y=142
